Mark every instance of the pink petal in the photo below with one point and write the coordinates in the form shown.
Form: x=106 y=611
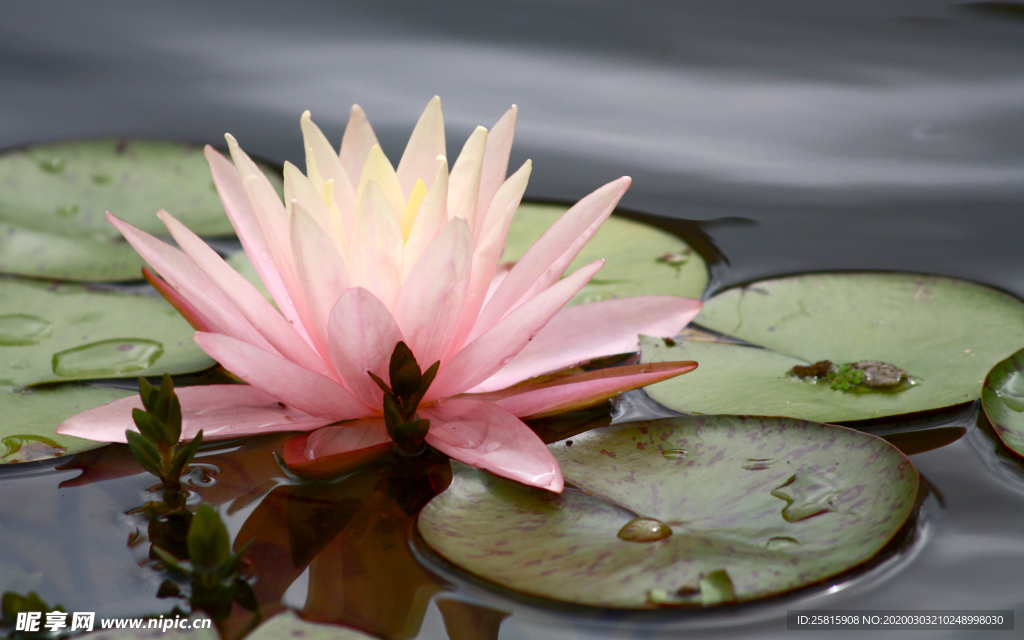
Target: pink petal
x=431 y=299
x=320 y=268
x=324 y=164
x=488 y=353
x=180 y=304
x=289 y=383
x=464 y=182
x=375 y=258
x=495 y=165
x=221 y=411
x=297 y=187
x=245 y=297
x=487 y=252
x=243 y=219
x=571 y=392
x=587 y=331
x=551 y=255
x=356 y=144
x=191 y=283
x=342 y=438
x=430 y=219
x=488 y=437
x=425 y=144
x=363 y=335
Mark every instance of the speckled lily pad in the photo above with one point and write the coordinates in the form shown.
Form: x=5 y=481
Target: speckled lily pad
x=640 y=260
x=1003 y=401
x=60 y=333
x=945 y=333
x=54 y=196
x=755 y=507
x=28 y=418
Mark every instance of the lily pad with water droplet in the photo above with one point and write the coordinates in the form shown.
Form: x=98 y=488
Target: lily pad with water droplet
x=29 y=416
x=54 y=196
x=847 y=494
x=71 y=332
x=1003 y=401
x=945 y=333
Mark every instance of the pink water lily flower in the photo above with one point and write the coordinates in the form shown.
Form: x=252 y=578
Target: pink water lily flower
x=361 y=256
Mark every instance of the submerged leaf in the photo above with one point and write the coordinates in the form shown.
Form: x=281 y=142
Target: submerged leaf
x=730 y=536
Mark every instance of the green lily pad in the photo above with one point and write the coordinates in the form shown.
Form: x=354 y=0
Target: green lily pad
x=945 y=333
x=1003 y=400
x=29 y=416
x=54 y=196
x=70 y=332
x=683 y=511
x=640 y=260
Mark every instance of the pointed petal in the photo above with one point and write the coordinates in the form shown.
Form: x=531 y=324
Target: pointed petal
x=289 y=383
x=412 y=207
x=375 y=256
x=363 y=335
x=356 y=144
x=245 y=297
x=300 y=188
x=587 y=331
x=487 y=252
x=191 y=283
x=464 y=183
x=495 y=165
x=478 y=360
x=551 y=255
x=425 y=144
x=378 y=169
x=180 y=304
x=221 y=411
x=321 y=270
x=243 y=219
x=326 y=165
x=431 y=300
x=342 y=438
x=579 y=391
x=488 y=437
x=430 y=219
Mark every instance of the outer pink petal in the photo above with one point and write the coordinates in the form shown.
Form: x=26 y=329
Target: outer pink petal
x=376 y=256
x=363 y=335
x=356 y=144
x=587 y=331
x=495 y=166
x=245 y=297
x=428 y=307
x=550 y=256
x=221 y=411
x=189 y=281
x=342 y=438
x=464 y=182
x=320 y=268
x=243 y=219
x=303 y=389
x=183 y=306
x=488 y=437
x=582 y=390
x=419 y=161
x=488 y=353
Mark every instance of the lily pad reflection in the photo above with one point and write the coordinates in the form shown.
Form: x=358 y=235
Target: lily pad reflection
x=833 y=499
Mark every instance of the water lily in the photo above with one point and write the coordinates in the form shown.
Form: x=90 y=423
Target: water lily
x=360 y=257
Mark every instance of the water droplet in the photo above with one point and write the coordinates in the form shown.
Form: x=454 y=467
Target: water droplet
x=781 y=542
x=22 y=329
x=200 y=474
x=681 y=596
x=67 y=212
x=492 y=446
x=101 y=179
x=674 y=454
x=1010 y=390
x=716 y=588
x=107 y=358
x=644 y=530
x=807 y=494
x=52 y=165
x=759 y=464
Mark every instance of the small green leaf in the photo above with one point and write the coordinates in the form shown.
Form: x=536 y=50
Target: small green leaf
x=185 y=454
x=169 y=560
x=208 y=542
x=145 y=453
x=245 y=596
x=151 y=428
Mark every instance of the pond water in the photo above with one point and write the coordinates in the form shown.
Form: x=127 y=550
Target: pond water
x=797 y=136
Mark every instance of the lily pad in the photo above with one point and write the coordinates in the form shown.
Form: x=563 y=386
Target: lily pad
x=71 y=332
x=945 y=333
x=1003 y=401
x=640 y=260
x=754 y=507
x=54 y=196
x=29 y=416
